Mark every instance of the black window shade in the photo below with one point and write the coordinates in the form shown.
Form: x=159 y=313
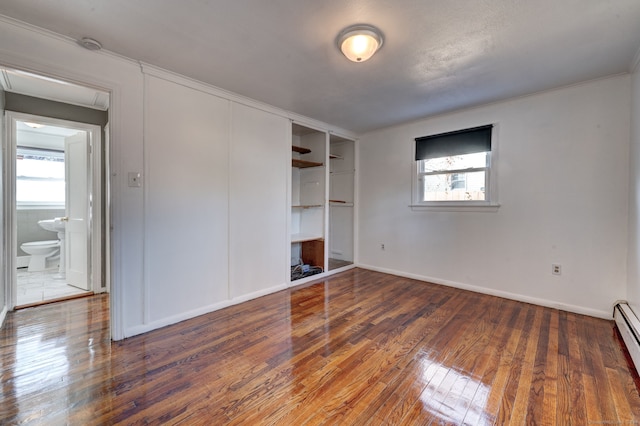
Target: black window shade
x=459 y=142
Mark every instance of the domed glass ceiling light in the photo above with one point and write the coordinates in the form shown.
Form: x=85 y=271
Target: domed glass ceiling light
x=359 y=42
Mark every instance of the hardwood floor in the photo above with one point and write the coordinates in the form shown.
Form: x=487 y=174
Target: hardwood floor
x=360 y=348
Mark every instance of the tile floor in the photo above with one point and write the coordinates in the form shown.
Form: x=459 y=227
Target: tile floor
x=35 y=287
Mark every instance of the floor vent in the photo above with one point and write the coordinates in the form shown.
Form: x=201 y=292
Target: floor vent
x=629 y=327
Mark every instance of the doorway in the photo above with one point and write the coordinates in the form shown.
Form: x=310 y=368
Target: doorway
x=54 y=169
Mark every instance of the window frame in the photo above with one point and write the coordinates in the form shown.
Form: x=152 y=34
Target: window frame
x=490 y=203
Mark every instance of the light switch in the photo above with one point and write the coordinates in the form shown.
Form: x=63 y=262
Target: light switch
x=135 y=180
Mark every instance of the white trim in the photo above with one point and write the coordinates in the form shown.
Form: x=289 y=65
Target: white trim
x=338 y=133
x=309 y=124
x=95 y=209
x=289 y=183
x=107 y=209
x=39 y=206
x=10 y=215
x=499 y=293
x=230 y=143
x=325 y=207
x=114 y=239
x=3 y=315
x=356 y=201
x=145 y=187
x=457 y=207
x=628 y=326
x=305 y=280
x=635 y=63
x=144 y=328
x=5 y=83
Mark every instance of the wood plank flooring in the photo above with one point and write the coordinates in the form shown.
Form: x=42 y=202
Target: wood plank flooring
x=359 y=348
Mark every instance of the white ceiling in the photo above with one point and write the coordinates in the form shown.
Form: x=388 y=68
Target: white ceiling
x=45 y=137
x=438 y=55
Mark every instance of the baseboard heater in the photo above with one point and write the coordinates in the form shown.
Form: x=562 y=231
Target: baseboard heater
x=629 y=327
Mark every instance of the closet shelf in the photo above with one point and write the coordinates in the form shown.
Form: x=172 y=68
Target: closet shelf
x=300 y=150
x=307 y=206
x=336 y=157
x=301 y=238
x=340 y=203
x=303 y=164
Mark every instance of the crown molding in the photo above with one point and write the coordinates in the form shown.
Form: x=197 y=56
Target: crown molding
x=152 y=70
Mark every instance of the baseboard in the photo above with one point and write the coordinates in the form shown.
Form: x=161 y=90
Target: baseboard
x=144 y=328
x=629 y=328
x=256 y=294
x=505 y=294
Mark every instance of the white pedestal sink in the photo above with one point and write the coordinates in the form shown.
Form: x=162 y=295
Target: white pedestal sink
x=57 y=225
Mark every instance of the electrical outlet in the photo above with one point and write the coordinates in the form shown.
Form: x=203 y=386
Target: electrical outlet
x=382 y=246
x=556 y=269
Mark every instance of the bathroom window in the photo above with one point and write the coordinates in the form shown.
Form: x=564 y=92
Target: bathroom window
x=39 y=178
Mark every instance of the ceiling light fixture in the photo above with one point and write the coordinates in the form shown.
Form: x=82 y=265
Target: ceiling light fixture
x=359 y=42
x=33 y=125
x=89 y=43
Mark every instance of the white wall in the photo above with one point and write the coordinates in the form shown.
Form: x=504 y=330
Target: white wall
x=633 y=286
x=563 y=187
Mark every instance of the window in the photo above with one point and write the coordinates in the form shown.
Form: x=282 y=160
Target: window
x=40 y=178
x=454 y=168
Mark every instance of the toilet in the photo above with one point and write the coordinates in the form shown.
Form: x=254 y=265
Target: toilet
x=39 y=252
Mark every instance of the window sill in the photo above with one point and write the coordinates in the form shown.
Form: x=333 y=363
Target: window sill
x=40 y=207
x=457 y=207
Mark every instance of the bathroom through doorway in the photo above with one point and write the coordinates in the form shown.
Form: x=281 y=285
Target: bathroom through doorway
x=56 y=202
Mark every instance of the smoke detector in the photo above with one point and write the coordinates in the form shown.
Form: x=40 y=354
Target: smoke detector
x=89 y=43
